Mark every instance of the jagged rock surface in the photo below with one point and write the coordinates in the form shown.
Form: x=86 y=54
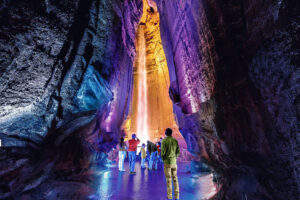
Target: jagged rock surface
x=65 y=82
x=246 y=127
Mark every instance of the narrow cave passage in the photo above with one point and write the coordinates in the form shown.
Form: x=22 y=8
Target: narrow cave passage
x=151 y=112
x=76 y=75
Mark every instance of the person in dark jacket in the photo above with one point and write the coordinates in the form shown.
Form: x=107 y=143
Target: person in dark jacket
x=169 y=153
x=152 y=150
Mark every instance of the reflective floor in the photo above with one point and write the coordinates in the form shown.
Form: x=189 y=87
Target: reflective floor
x=115 y=185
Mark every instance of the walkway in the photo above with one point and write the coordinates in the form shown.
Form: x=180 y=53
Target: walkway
x=150 y=185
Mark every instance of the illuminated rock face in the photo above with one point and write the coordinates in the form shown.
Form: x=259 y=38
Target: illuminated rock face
x=246 y=126
x=66 y=77
x=151 y=106
x=65 y=88
x=191 y=56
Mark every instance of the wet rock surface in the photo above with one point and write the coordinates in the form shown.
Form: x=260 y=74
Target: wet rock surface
x=66 y=84
x=65 y=73
x=246 y=128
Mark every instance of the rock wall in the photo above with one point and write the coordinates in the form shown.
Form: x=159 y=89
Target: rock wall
x=246 y=126
x=65 y=82
x=62 y=59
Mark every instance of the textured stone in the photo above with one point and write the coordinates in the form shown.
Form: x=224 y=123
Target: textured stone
x=245 y=128
x=193 y=56
x=234 y=81
x=65 y=82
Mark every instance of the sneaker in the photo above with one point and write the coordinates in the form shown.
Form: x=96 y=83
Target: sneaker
x=132 y=172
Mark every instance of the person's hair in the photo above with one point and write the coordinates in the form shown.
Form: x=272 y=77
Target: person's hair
x=168 y=132
x=121 y=142
x=133 y=136
x=143 y=144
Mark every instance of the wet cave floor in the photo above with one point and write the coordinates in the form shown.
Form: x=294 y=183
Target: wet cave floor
x=150 y=185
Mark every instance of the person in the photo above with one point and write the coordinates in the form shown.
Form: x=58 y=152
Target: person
x=169 y=153
x=152 y=150
x=122 y=154
x=158 y=145
x=143 y=156
x=132 y=152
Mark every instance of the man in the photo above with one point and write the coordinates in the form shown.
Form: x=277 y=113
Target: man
x=169 y=153
x=132 y=152
x=152 y=150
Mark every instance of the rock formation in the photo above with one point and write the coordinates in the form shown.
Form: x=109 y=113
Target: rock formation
x=243 y=119
x=66 y=78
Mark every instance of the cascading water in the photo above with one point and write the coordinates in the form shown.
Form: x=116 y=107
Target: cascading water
x=151 y=107
x=142 y=112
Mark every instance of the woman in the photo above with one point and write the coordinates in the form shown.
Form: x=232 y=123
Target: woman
x=122 y=154
x=143 y=156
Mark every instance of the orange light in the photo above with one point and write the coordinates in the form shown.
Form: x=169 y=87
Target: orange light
x=151 y=109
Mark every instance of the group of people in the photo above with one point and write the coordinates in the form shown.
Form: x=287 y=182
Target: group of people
x=166 y=149
x=152 y=152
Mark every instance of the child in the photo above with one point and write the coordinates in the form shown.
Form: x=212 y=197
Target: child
x=143 y=155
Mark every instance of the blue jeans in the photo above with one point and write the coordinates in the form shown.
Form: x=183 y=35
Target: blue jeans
x=153 y=160
x=132 y=157
x=143 y=162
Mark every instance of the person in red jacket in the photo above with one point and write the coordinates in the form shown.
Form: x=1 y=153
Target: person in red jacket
x=132 y=152
x=158 y=145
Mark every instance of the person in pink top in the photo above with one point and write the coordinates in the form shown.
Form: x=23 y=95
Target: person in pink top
x=132 y=152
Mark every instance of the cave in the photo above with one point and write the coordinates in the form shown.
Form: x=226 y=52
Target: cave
x=75 y=76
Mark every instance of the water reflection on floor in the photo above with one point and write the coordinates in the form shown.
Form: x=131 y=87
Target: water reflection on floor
x=115 y=185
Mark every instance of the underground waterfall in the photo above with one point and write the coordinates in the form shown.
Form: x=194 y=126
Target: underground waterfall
x=77 y=76
x=151 y=108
